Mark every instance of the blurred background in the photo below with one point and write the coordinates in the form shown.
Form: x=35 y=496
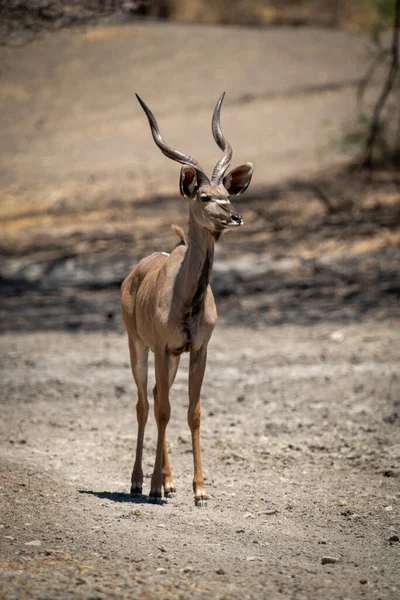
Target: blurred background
x=312 y=99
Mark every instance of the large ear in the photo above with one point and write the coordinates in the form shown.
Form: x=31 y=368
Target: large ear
x=238 y=180
x=188 y=182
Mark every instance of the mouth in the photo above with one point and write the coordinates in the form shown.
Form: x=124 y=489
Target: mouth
x=222 y=225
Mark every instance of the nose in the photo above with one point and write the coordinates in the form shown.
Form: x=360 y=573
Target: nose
x=237 y=219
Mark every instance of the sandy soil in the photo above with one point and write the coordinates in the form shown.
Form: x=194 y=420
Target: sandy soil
x=69 y=112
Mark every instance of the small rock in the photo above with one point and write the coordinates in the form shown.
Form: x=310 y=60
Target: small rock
x=337 y=336
x=161 y=570
x=250 y=558
x=272 y=511
x=389 y=508
x=394 y=538
x=162 y=549
x=187 y=570
x=329 y=560
x=33 y=543
x=355 y=517
x=220 y=572
x=363 y=581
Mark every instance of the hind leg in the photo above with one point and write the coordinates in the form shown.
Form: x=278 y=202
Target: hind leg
x=139 y=364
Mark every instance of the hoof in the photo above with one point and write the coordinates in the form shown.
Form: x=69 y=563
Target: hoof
x=170 y=494
x=156 y=500
x=155 y=497
x=200 y=503
x=136 y=491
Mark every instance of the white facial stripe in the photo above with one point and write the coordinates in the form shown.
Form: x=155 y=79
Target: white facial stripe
x=221 y=201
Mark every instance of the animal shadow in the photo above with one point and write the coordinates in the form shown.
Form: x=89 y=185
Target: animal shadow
x=122 y=497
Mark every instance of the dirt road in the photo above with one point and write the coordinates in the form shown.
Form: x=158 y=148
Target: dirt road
x=301 y=450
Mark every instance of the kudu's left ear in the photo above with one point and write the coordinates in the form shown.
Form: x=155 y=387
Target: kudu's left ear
x=238 y=180
x=188 y=182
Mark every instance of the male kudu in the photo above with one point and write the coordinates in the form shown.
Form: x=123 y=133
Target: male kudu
x=168 y=306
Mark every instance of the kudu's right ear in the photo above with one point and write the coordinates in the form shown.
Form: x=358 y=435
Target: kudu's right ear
x=188 y=183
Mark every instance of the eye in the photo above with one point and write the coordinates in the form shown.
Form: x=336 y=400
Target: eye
x=204 y=198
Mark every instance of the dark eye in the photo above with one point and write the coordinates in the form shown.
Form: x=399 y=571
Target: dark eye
x=204 y=198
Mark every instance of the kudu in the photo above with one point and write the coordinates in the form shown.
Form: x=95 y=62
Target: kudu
x=168 y=306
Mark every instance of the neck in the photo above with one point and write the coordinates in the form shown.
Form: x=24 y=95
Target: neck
x=196 y=268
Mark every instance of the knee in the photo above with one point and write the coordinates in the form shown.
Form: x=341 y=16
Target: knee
x=163 y=415
x=194 y=417
x=142 y=409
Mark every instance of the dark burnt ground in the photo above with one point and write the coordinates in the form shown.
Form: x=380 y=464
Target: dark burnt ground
x=326 y=249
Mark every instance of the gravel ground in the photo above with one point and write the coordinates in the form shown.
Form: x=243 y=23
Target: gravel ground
x=300 y=446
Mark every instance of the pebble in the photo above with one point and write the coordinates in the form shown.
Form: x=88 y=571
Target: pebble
x=337 y=336
x=354 y=517
x=33 y=543
x=161 y=570
x=394 y=538
x=272 y=511
x=187 y=570
x=220 y=572
x=329 y=560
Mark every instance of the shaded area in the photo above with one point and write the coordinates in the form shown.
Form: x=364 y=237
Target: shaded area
x=119 y=497
x=326 y=249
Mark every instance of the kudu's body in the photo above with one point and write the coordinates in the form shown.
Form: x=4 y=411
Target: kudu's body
x=168 y=306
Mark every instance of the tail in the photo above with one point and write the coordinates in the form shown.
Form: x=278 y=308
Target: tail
x=180 y=233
